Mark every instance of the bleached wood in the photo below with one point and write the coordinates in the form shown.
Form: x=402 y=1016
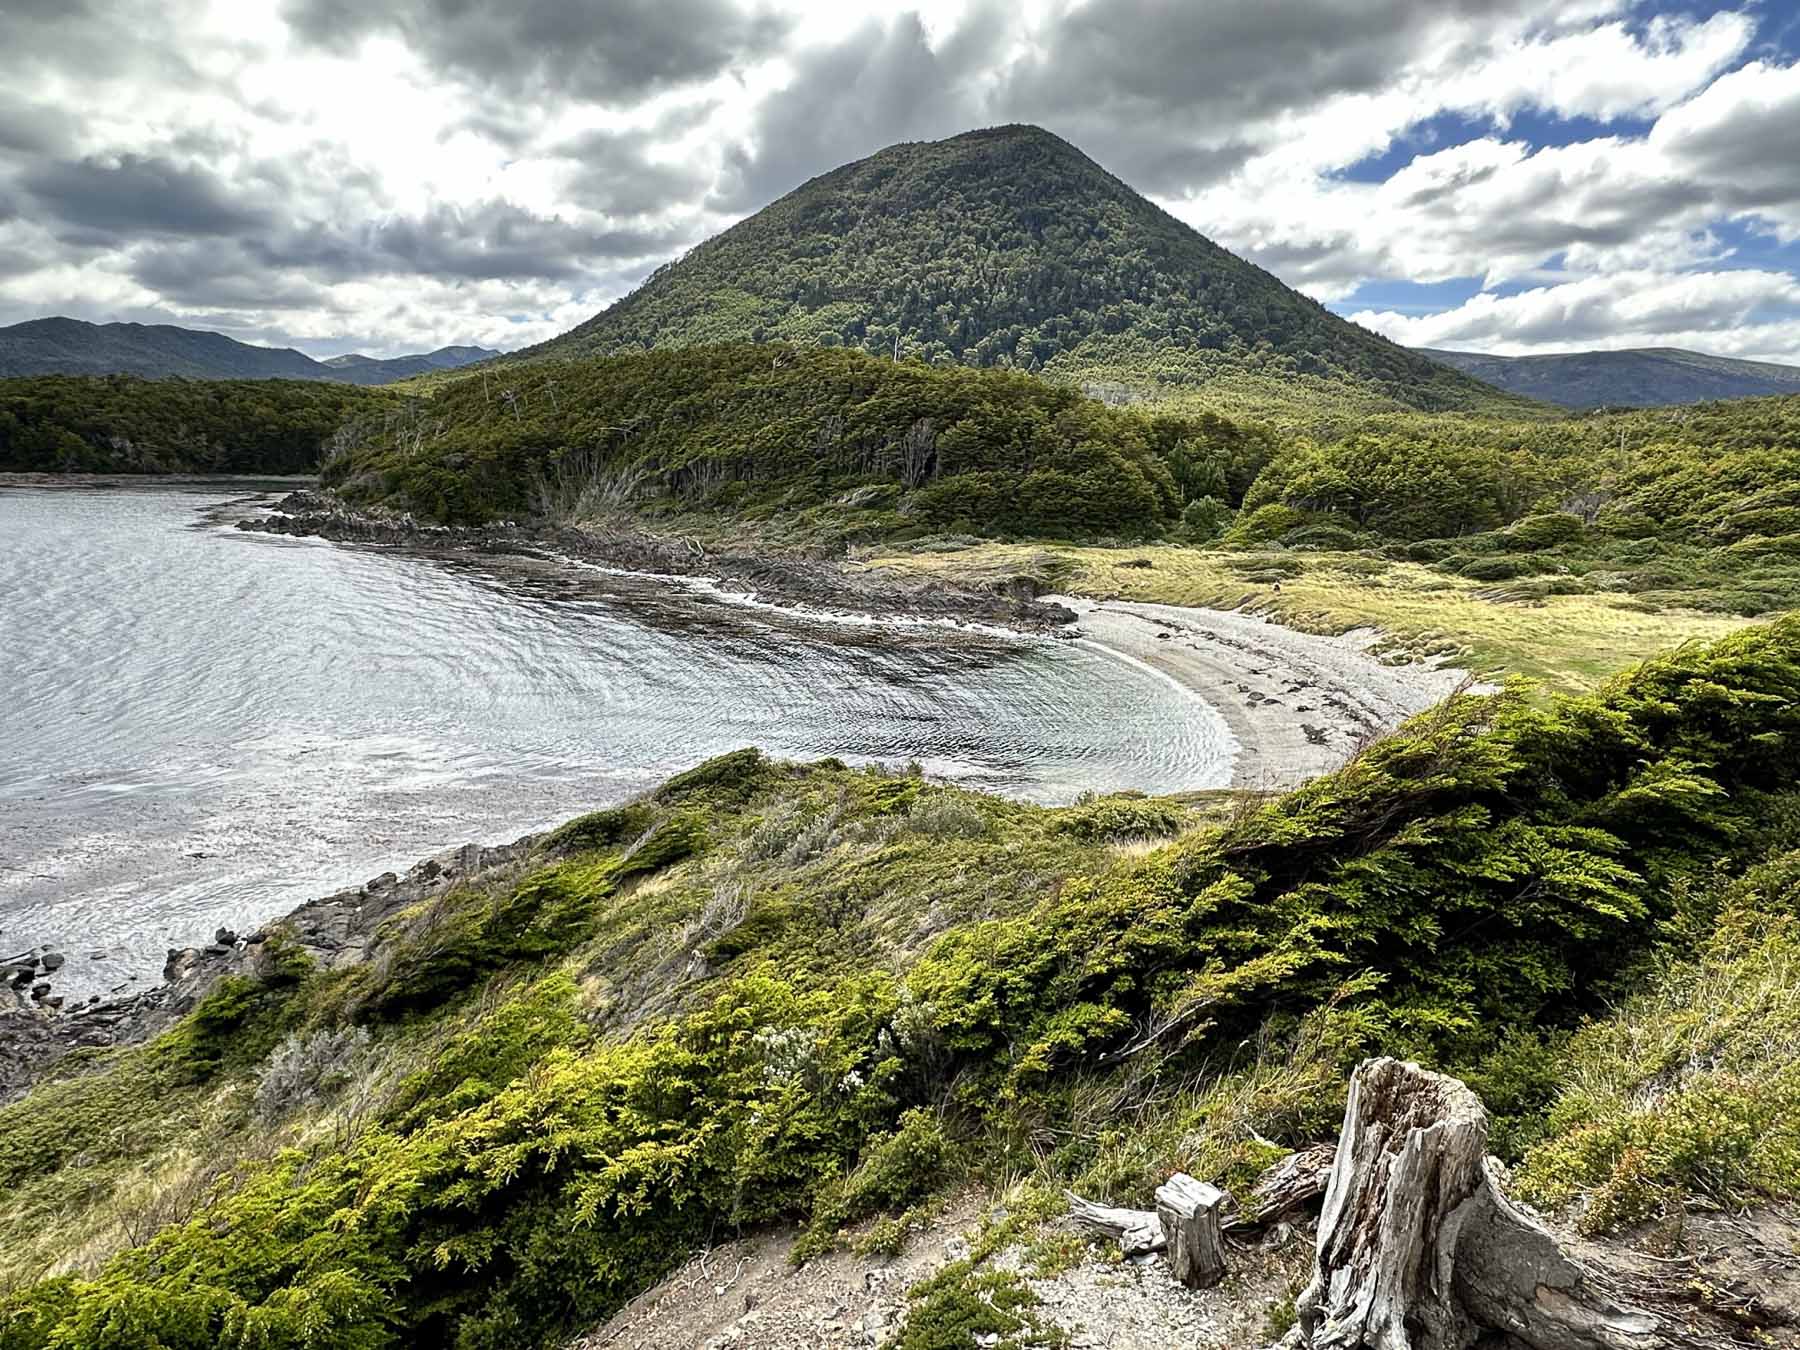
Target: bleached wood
x=1189 y=1213
x=1135 y=1230
x=1297 y=1180
x=1419 y=1250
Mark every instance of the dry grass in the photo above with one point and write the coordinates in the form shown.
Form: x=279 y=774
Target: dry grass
x=1567 y=642
x=1691 y=1089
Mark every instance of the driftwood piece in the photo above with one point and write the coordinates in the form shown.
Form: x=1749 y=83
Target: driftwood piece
x=1189 y=1211
x=1294 y=1182
x=1419 y=1250
x=1135 y=1230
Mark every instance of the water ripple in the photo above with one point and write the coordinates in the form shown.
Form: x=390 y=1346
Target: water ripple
x=204 y=727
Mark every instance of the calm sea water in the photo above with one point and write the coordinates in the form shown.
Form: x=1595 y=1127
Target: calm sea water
x=200 y=726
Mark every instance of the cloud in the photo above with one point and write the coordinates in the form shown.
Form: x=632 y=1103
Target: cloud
x=619 y=173
x=1626 y=309
x=359 y=171
x=1738 y=135
x=604 y=51
x=105 y=199
x=490 y=240
x=883 y=83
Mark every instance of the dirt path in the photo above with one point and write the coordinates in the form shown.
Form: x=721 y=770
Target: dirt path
x=747 y=1295
x=1298 y=704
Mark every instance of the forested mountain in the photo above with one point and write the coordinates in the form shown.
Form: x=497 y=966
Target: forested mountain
x=372 y=370
x=1645 y=377
x=1009 y=247
x=59 y=346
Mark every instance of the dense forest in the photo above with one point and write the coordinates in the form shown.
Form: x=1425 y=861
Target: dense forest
x=1009 y=247
x=888 y=449
x=124 y=424
x=1695 y=505
x=768 y=992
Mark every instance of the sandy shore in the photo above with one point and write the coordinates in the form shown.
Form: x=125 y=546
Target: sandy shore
x=1298 y=704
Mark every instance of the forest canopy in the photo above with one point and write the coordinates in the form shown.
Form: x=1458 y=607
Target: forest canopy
x=123 y=424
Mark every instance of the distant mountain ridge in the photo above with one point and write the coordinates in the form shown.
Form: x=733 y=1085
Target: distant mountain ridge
x=1639 y=377
x=62 y=346
x=1009 y=247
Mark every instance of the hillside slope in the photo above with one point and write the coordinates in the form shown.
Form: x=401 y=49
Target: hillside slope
x=358 y=369
x=493 y=1102
x=879 y=448
x=1645 y=377
x=1008 y=247
x=59 y=346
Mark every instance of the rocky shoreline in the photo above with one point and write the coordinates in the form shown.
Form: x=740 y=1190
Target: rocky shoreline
x=335 y=931
x=796 y=582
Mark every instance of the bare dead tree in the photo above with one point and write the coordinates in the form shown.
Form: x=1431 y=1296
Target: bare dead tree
x=918 y=454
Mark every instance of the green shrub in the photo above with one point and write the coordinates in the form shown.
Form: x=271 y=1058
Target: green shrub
x=1120 y=817
x=962 y=1306
x=1433 y=550
x=1265 y=525
x=1329 y=538
x=896 y=1169
x=1481 y=878
x=1693 y=1086
x=944 y=816
x=731 y=778
x=601 y=829
x=1546 y=531
x=1496 y=569
x=1204 y=520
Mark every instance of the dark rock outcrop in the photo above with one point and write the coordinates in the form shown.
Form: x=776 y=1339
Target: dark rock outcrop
x=796 y=581
x=336 y=930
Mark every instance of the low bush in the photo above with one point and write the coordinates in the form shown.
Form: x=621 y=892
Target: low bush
x=1464 y=892
x=306 y=1067
x=1496 y=568
x=1119 y=817
x=1546 y=531
x=1693 y=1087
x=946 y=816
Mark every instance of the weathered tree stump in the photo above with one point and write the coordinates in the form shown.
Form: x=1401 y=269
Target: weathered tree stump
x=1419 y=1250
x=1189 y=1214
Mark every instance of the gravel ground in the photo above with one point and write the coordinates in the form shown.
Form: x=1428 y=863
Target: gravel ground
x=745 y=1295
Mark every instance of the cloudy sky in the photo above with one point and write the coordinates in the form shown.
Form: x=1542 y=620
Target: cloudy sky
x=396 y=175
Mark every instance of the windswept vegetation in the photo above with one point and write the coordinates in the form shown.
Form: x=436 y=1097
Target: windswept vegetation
x=123 y=424
x=882 y=449
x=771 y=992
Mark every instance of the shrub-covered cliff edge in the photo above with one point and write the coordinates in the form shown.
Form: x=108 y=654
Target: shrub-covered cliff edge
x=818 y=994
